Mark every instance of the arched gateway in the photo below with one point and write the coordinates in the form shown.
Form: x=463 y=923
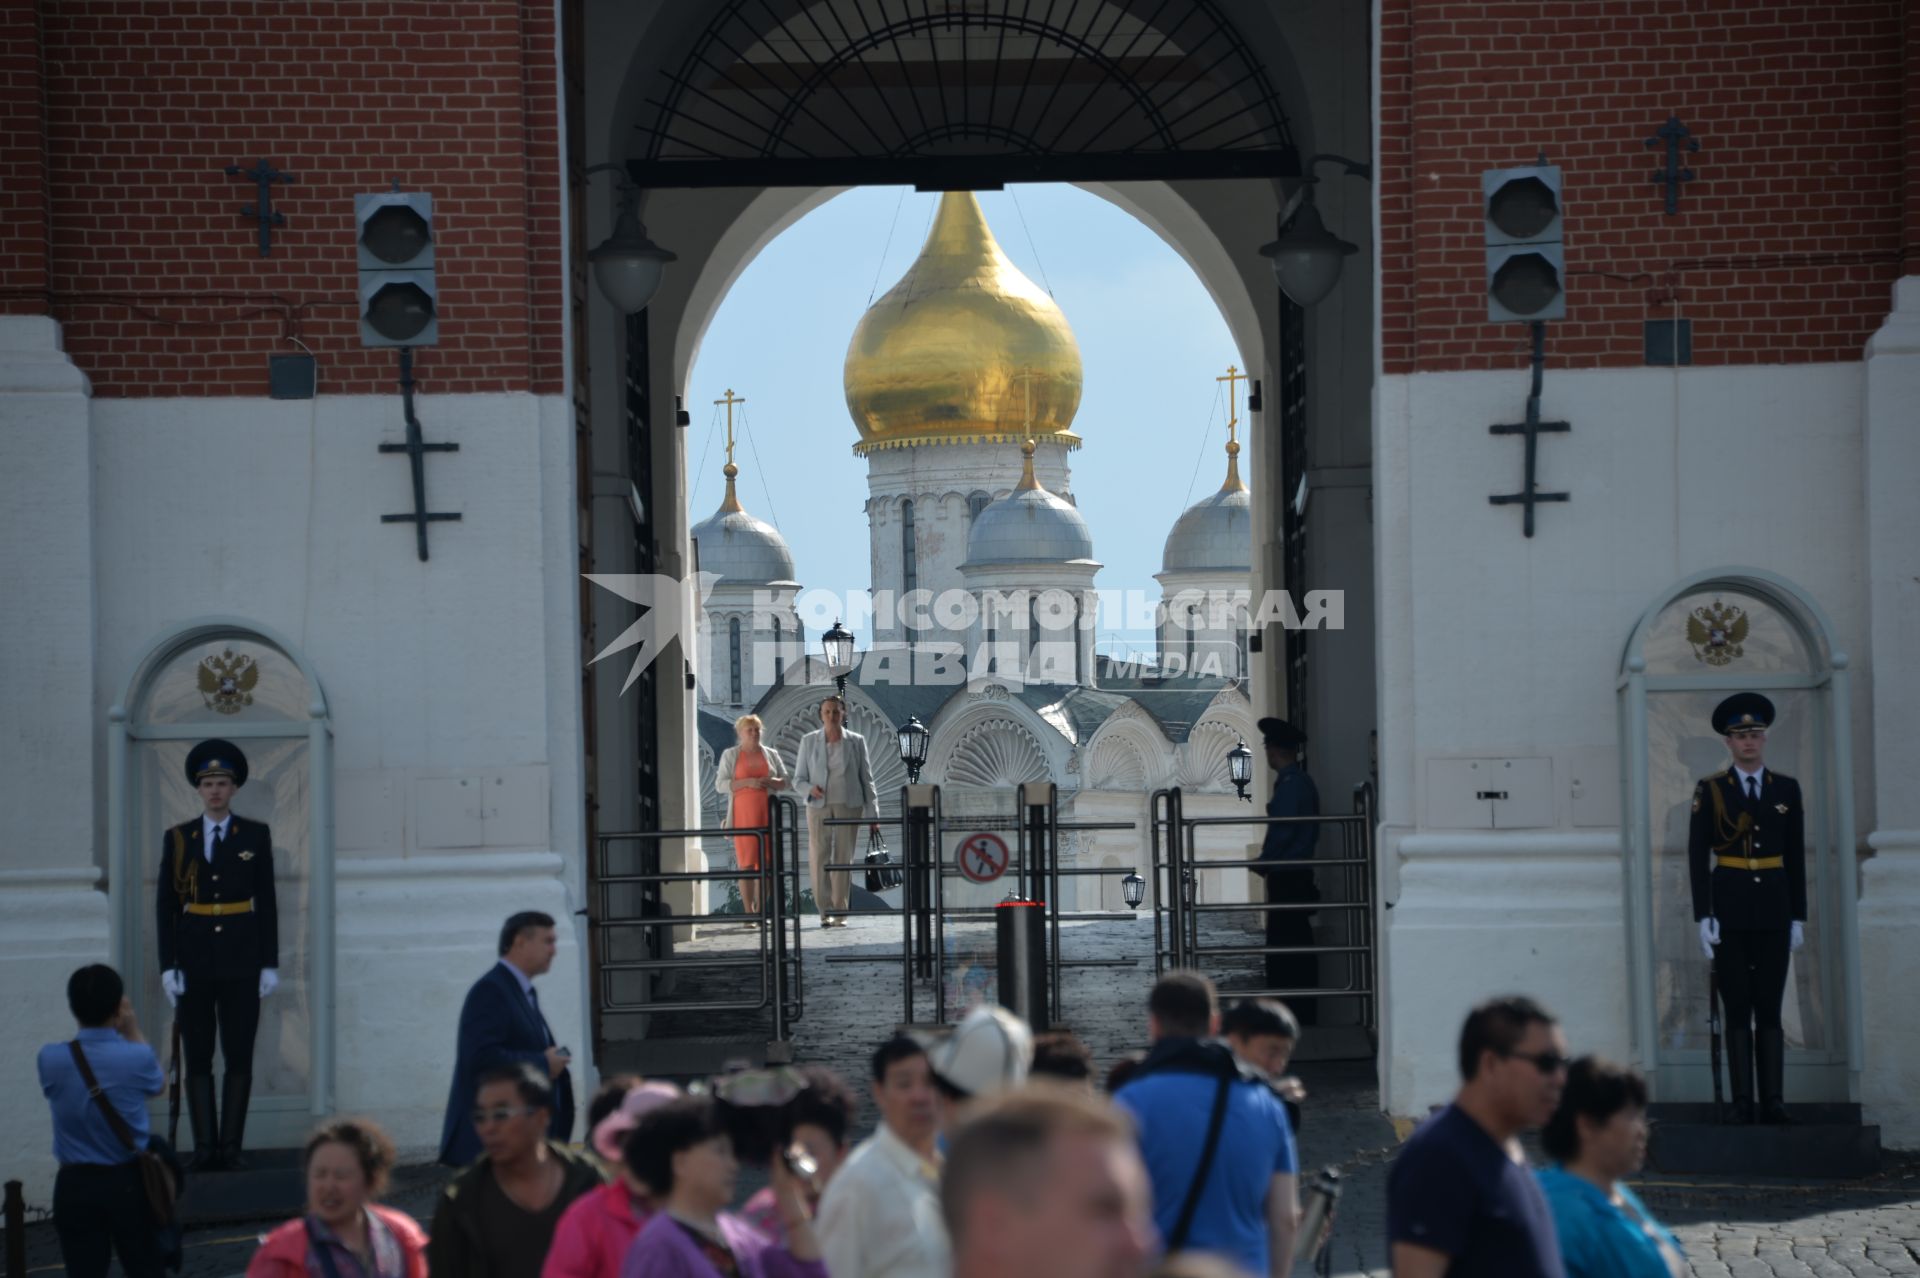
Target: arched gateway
x=734 y=120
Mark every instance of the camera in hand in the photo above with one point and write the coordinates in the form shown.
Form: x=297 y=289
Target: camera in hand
x=1321 y=1199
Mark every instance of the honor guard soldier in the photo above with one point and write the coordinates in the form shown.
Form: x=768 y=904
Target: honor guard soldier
x=1746 y=849
x=219 y=946
x=1294 y=795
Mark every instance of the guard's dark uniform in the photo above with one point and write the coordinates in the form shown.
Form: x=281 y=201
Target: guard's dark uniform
x=219 y=927
x=1748 y=862
x=1294 y=795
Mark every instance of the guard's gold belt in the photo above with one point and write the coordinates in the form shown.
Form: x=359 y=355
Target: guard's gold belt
x=246 y=907
x=1750 y=862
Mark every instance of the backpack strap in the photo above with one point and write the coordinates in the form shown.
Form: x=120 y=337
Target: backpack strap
x=119 y=1124
x=1215 y=1123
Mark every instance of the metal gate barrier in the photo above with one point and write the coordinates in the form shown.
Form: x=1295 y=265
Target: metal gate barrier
x=1033 y=864
x=1178 y=909
x=626 y=912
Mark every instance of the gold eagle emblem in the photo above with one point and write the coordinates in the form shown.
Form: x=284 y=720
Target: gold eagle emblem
x=1716 y=632
x=227 y=681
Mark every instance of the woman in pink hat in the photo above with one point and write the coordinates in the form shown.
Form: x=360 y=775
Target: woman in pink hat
x=593 y=1235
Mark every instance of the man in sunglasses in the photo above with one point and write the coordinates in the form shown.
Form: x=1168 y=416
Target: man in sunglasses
x=1461 y=1201
x=496 y=1219
x=1746 y=849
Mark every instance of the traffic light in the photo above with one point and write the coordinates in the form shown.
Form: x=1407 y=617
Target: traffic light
x=399 y=303
x=1526 y=258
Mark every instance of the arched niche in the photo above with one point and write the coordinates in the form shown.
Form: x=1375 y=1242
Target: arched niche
x=1706 y=637
x=231 y=678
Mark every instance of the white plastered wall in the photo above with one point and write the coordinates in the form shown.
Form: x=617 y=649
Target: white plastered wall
x=1497 y=646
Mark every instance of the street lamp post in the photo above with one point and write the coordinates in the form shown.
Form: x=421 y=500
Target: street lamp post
x=837 y=646
x=627 y=265
x=1134 y=889
x=1307 y=257
x=1240 y=769
x=913 y=748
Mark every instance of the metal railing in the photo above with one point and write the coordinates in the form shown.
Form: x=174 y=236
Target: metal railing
x=1353 y=874
x=1033 y=863
x=776 y=957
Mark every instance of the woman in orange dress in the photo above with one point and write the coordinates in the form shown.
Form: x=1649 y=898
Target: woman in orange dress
x=747 y=774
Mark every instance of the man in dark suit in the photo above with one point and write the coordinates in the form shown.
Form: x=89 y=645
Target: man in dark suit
x=1294 y=795
x=501 y=1024
x=1746 y=849
x=219 y=946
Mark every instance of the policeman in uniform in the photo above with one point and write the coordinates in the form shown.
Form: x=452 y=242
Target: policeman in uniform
x=1294 y=795
x=219 y=945
x=1746 y=849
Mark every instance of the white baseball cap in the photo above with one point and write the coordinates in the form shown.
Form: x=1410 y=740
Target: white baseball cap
x=989 y=1051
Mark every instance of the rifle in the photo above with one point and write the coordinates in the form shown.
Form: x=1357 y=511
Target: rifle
x=173 y=1087
x=1713 y=1033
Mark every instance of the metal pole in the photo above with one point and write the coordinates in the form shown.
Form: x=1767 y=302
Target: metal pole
x=767 y=930
x=939 y=877
x=16 y=1215
x=906 y=907
x=1054 y=1014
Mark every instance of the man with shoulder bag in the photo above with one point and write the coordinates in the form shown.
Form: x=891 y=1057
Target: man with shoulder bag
x=117 y=1183
x=1237 y=1197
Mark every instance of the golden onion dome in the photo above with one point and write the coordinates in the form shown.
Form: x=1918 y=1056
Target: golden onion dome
x=964 y=349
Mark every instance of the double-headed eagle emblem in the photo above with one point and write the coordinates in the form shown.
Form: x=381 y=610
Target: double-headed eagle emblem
x=1716 y=632
x=226 y=681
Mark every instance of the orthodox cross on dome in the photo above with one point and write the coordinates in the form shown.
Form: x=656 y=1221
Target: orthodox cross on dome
x=730 y=470
x=1234 y=482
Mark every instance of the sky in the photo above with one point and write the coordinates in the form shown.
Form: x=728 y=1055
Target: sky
x=1151 y=344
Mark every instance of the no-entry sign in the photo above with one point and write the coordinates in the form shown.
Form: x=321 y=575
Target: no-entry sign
x=983 y=857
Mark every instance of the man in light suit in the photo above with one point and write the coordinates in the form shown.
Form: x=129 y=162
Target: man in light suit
x=834 y=775
x=501 y=1024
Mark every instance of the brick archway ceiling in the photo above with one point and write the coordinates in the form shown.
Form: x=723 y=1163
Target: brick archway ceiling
x=951 y=94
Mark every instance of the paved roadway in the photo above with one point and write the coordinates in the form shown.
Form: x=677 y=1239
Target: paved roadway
x=1730 y=1230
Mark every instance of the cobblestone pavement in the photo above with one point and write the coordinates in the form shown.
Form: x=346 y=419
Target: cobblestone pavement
x=1730 y=1230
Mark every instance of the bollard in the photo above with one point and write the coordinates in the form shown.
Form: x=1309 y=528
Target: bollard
x=16 y=1231
x=1020 y=942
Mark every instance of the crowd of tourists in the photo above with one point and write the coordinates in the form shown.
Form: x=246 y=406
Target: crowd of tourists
x=996 y=1153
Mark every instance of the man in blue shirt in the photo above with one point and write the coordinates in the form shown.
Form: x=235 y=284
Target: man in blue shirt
x=1460 y=1199
x=99 y=1202
x=1190 y=1094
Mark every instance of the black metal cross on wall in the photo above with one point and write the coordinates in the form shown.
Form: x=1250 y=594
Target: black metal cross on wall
x=263 y=176
x=416 y=451
x=1530 y=494
x=1677 y=136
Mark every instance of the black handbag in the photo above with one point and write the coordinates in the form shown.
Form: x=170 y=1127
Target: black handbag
x=883 y=872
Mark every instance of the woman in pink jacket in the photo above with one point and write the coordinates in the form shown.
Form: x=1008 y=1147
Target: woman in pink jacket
x=345 y=1232
x=593 y=1234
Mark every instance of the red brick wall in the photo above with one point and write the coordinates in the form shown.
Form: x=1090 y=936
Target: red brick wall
x=1786 y=241
x=23 y=178
x=155 y=274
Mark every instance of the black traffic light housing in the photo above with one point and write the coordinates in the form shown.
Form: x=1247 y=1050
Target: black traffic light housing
x=399 y=300
x=1526 y=252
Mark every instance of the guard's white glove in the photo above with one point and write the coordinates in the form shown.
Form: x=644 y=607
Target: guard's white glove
x=174 y=982
x=1797 y=936
x=1709 y=935
x=269 y=981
